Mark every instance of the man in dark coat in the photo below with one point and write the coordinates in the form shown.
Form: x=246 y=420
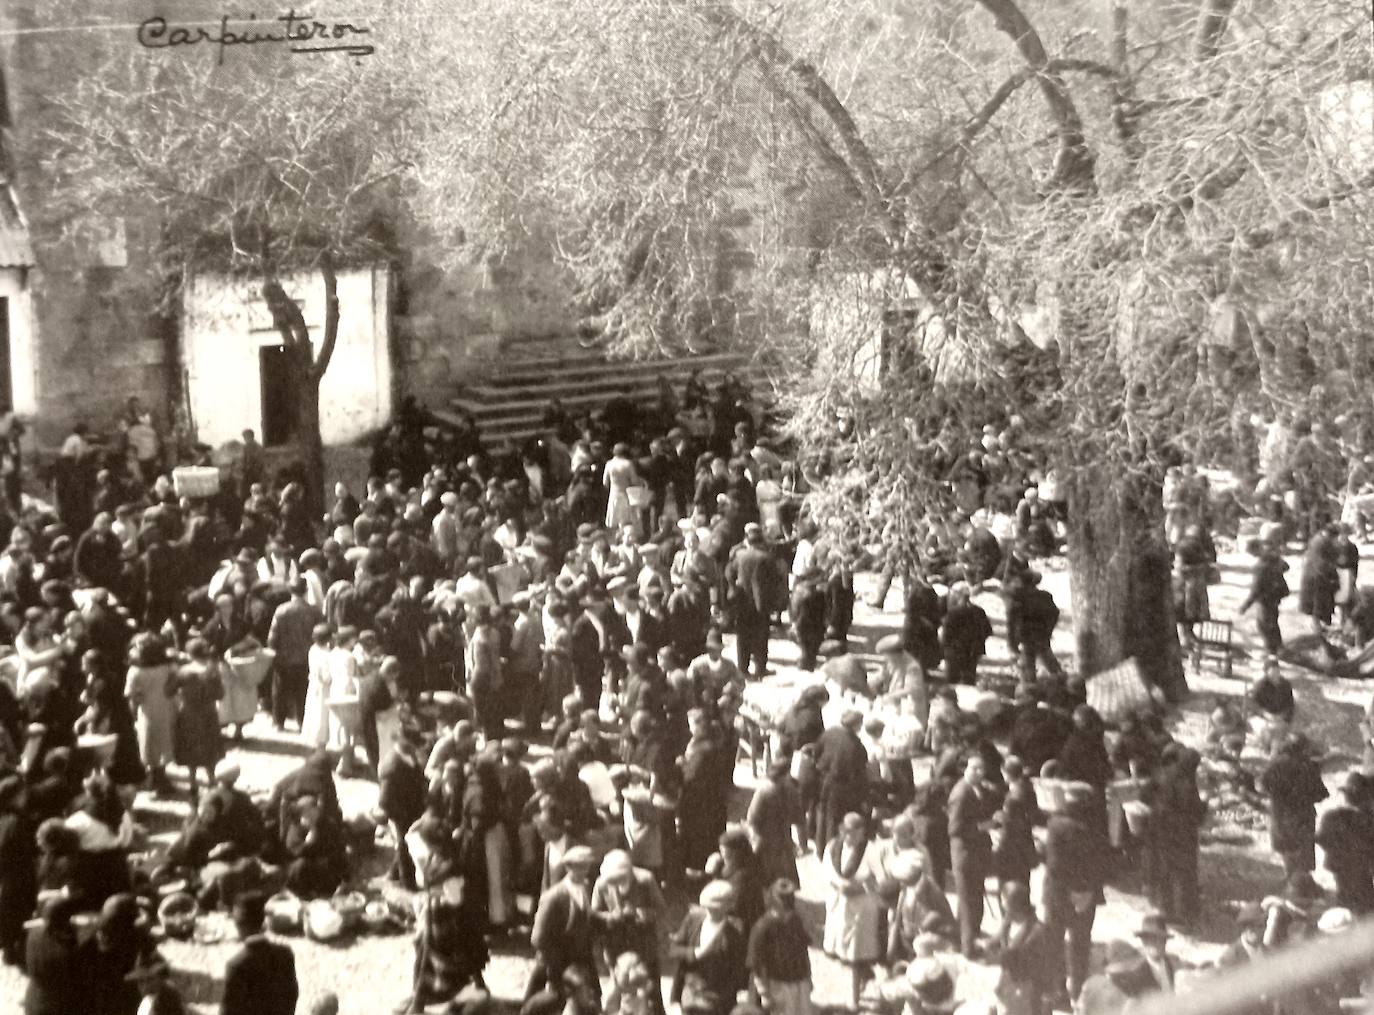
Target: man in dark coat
x=1268 y=588
x=842 y=770
x=562 y=934
x=972 y=804
x=401 y=790
x=1346 y=836
x=261 y=978
x=757 y=590
x=808 y=615
x=964 y=636
x=1293 y=782
x=921 y=623
x=1038 y=615
x=1075 y=871
x=710 y=974
x=779 y=964
x=52 y=956
x=1038 y=732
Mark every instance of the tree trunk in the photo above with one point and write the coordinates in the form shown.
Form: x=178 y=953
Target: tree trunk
x=311 y=443
x=1119 y=573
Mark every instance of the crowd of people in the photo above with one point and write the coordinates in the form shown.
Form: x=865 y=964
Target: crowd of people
x=526 y=652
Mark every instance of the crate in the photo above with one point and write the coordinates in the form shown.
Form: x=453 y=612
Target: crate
x=195 y=481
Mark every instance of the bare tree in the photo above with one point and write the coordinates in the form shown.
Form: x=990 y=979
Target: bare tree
x=264 y=169
x=1098 y=177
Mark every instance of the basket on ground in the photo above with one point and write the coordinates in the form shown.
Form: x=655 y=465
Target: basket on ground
x=195 y=481
x=177 y=913
x=284 y=913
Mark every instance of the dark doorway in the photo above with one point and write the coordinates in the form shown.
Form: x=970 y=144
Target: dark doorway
x=6 y=363
x=278 y=400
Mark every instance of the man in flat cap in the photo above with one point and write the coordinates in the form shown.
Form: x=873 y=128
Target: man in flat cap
x=562 y=934
x=711 y=950
x=626 y=907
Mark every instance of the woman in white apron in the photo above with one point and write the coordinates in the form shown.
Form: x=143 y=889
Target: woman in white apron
x=853 y=907
x=315 y=721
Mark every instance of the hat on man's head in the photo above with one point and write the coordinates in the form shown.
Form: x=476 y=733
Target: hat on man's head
x=890 y=644
x=617 y=585
x=713 y=639
x=227 y=771
x=1153 y=927
x=852 y=718
x=586 y=531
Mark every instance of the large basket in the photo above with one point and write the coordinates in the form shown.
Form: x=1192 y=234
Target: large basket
x=507 y=579
x=347 y=711
x=350 y=907
x=1119 y=692
x=195 y=481
x=639 y=496
x=251 y=669
x=100 y=747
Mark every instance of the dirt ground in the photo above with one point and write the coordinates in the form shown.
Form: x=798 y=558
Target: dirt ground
x=371 y=974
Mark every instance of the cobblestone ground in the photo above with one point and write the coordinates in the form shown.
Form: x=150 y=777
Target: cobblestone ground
x=371 y=974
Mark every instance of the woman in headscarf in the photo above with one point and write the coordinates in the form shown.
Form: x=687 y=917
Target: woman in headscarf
x=853 y=908
x=195 y=732
x=703 y=804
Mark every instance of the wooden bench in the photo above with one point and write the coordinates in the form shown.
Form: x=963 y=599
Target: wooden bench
x=1212 y=639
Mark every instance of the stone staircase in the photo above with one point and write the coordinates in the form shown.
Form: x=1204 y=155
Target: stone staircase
x=509 y=402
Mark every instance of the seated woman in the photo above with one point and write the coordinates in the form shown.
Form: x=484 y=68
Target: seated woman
x=316 y=854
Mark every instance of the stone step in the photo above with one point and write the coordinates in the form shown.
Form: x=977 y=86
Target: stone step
x=496 y=396
x=515 y=373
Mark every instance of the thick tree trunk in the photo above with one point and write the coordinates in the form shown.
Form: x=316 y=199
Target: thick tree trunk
x=311 y=443
x=1119 y=573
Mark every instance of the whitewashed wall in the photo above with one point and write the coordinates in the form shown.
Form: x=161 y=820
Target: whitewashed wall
x=225 y=322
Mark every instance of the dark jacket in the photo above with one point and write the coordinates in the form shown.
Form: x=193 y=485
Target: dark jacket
x=260 y=980
x=401 y=788
x=55 y=984
x=709 y=982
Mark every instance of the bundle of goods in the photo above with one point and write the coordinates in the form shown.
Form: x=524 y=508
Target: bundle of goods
x=1119 y=692
x=902 y=739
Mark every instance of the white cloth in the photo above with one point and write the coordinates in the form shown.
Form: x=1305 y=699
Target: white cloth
x=851 y=921
x=315 y=722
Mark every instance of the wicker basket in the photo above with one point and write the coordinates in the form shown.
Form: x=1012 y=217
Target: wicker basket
x=100 y=746
x=639 y=496
x=350 y=907
x=284 y=913
x=177 y=914
x=195 y=481
x=347 y=710
x=251 y=669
